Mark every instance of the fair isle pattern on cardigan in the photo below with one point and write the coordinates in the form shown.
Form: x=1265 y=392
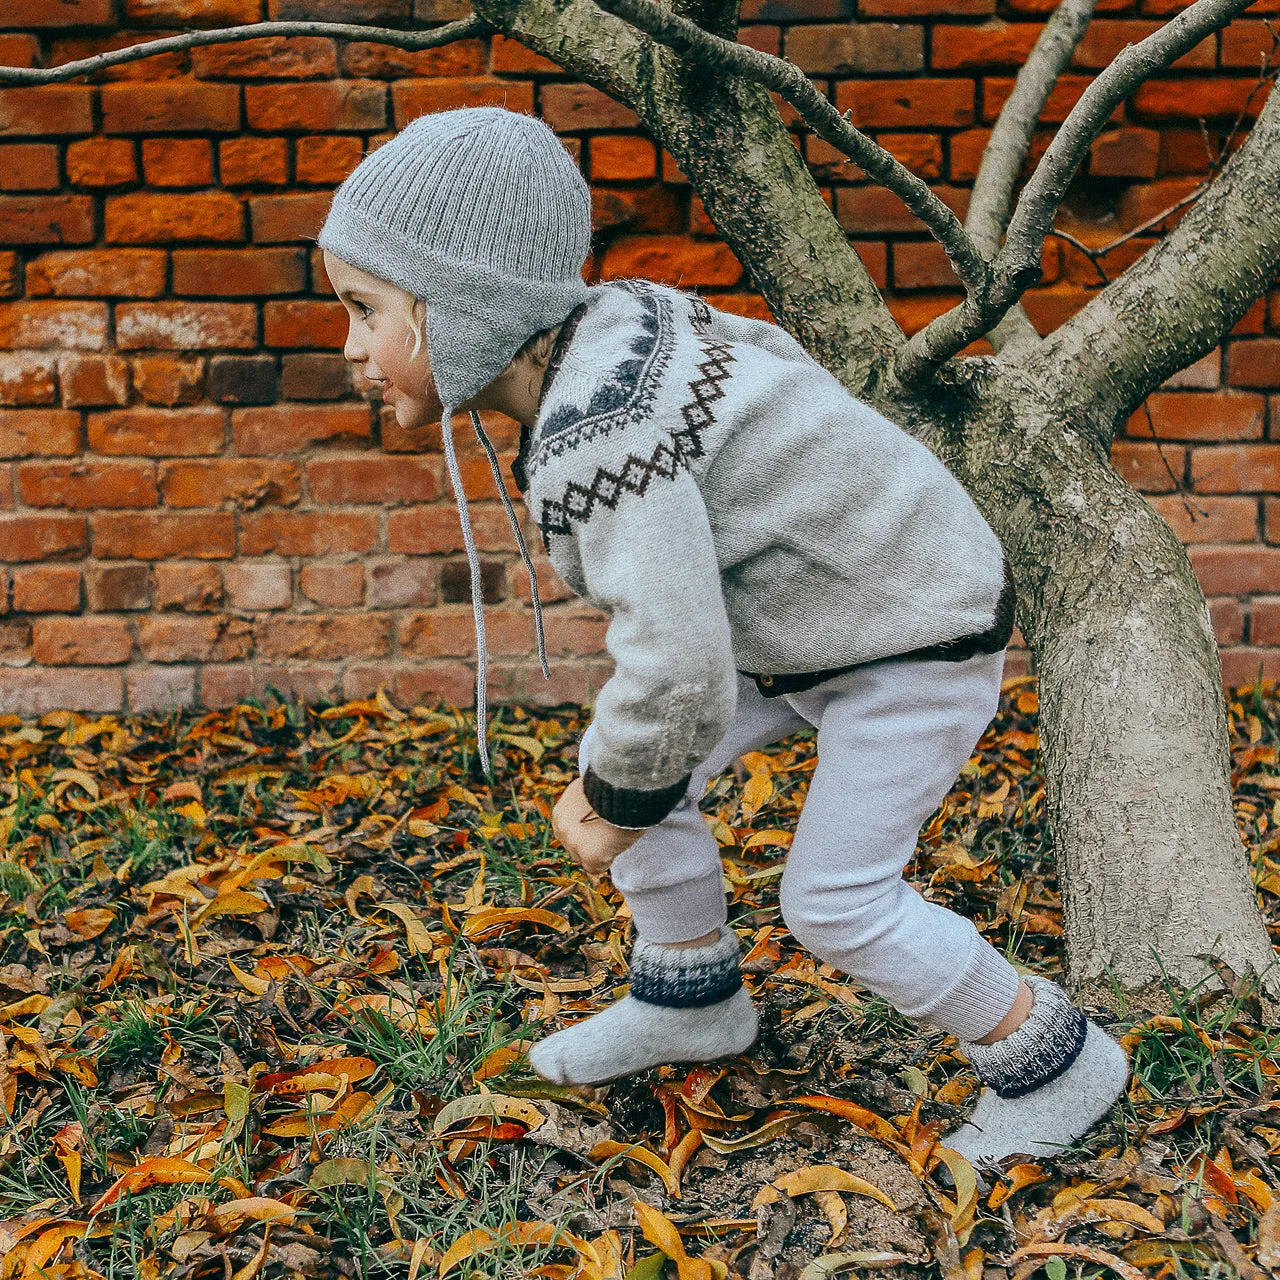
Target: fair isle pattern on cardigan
x=705 y=482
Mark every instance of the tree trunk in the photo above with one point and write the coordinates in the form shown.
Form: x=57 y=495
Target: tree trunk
x=1132 y=717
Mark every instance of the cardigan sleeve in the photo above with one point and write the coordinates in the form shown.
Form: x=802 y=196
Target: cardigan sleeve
x=639 y=538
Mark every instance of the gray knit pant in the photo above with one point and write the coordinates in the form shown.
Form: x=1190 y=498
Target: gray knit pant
x=892 y=737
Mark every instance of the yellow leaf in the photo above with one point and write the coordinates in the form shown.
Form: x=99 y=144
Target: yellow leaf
x=248 y=981
x=661 y=1232
x=641 y=1155
x=229 y=1217
x=495 y=919
x=416 y=933
x=90 y=922
x=966 y=1187
x=819 y=1177
x=487 y=1104
x=772 y=836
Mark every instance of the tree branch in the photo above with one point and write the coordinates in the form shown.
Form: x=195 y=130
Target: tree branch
x=787 y=80
x=1010 y=141
x=471 y=25
x=1017 y=265
x=1175 y=303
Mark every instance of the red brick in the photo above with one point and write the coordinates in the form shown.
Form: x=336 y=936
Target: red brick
x=653 y=210
x=970 y=48
x=1243 y=43
x=145 y=217
x=434 y=530
x=1241 y=468
x=27 y=433
x=412 y=98
x=93 y=641
x=1144 y=465
x=1253 y=321
x=194 y=588
x=1198 y=415
x=1255 y=363
x=382 y=480
x=333 y=586
x=186 y=326
x=1105 y=37
x=922 y=264
x=914 y=311
x=42 y=537
x=224 y=686
x=19 y=50
x=1145 y=201
x=1236 y=570
x=255 y=587
x=177 y=162
x=307 y=533
x=395 y=583
x=1125 y=153
x=238 y=272
x=168 y=380
x=33 y=110
x=157 y=433
x=671 y=260
x=327 y=160
x=10 y=274
x=101 y=162
x=286 y=428
x=922 y=8
x=33 y=692
x=505 y=56
x=27 y=377
x=246 y=483
x=1065 y=94
x=29 y=166
x=895 y=104
x=160 y=689
x=195 y=13
x=46 y=589
x=279 y=219
x=160 y=106
x=874 y=210
x=75 y=48
x=1264 y=621
x=94 y=381
x=332 y=105
x=97 y=273
x=444 y=633
x=304 y=323
x=551 y=587
x=846 y=49
x=87 y=485
x=1048 y=309
x=249 y=161
x=157 y=535
x=170 y=638
x=1182 y=149
x=46 y=219
x=58 y=13
x=1205 y=373
x=1219 y=97
x=324 y=639
x=622 y=158
x=1228 y=620
x=1209 y=519
x=1271 y=519
x=111 y=588
x=274 y=58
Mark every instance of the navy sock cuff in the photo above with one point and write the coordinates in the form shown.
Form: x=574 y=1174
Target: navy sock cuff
x=688 y=978
x=1040 y=1050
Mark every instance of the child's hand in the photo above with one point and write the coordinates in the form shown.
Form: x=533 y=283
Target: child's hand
x=588 y=839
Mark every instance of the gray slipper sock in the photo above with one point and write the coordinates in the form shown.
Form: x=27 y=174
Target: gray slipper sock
x=1048 y=1082
x=686 y=1005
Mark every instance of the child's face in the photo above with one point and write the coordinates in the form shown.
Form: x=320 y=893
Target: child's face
x=379 y=342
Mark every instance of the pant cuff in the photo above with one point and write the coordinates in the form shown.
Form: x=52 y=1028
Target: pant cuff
x=680 y=912
x=979 y=1000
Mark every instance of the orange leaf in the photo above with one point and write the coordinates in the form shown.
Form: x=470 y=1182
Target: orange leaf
x=150 y=1173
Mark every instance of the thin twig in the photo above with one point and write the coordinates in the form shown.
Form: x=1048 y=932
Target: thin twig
x=1017 y=266
x=789 y=82
x=472 y=25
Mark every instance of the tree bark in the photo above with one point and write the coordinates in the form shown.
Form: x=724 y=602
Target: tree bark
x=1132 y=721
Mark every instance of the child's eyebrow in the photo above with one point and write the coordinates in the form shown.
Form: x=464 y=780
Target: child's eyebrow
x=350 y=294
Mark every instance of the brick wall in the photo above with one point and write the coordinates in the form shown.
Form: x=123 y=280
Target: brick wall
x=195 y=503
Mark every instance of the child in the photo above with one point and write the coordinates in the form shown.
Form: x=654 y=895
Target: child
x=771 y=552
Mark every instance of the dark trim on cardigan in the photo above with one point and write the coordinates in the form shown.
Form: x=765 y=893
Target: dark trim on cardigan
x=627 y=807
x=992 y=640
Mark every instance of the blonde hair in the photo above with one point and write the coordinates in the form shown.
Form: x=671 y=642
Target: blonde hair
x=415 y=318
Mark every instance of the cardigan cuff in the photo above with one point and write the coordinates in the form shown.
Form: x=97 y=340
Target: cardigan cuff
x=627 y=807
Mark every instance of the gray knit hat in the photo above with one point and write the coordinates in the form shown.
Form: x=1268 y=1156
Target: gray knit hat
x=482 y=214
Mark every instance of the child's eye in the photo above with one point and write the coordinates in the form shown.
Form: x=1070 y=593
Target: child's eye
x=364 y=311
